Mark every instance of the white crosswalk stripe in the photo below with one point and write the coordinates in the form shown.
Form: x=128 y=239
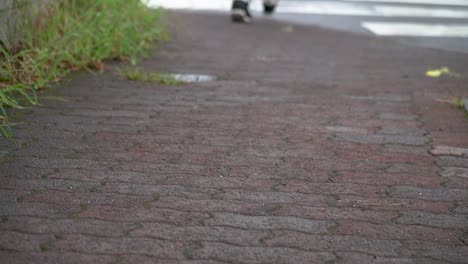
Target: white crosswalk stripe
x=375 y=10
x=425 y=2
x=435 y=10
x=416 y=29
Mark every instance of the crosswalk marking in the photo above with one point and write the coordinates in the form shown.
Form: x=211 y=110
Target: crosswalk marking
x=350 y=9
x=416 y=29
x=421 y=2
x=389 y=11
x=397 y=22
x=324 y=8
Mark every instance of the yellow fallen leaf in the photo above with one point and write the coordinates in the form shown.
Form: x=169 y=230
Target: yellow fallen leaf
x=436 y=73
x=433 y=74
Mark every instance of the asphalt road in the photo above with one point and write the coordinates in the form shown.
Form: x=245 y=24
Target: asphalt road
x=429 y=23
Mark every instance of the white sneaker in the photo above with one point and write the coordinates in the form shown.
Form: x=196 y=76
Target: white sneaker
x=240 y=12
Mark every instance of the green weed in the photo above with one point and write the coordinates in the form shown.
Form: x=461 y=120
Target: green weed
x=83 y=208
x=135 y=74
x=70 y=35
x=455 y=101
x=458 y=102
x=191 y=249
x=48 y=245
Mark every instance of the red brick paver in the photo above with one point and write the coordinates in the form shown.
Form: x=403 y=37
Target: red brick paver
x=312 y=147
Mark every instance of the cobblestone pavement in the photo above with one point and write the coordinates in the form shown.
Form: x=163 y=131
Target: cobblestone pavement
x=313 y=146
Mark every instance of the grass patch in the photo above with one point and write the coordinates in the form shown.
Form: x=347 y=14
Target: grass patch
x=69 y=35
x=138 y=75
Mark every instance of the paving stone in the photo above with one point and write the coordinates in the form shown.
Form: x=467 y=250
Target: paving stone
x=452 y=162
x=383 y=97
x=333 y=188
x=438 y=194
x=434 y=220
x=77 y=199
x=405 y=149
x=240 y=237
x=402 y=131
x=110 y=177
x=455 y=138
x=37 y=209
x=354 y=130
x=66 y=164
x=274 y=197
x=454 y=172
x=157 y=260
x=388 y=157
x=53 y=257
x=392 y=204
x=461 y=209
x=383 y=139
x=412 y=169
x=388 y=179
x=394 y=116
x=457 y=254
x=346 y=257
x=399 y=232
x=334 y=243
x=333 y=213
x=378 y=124
x=270 y=223
x=211 y=205
x=151 y=214
x=61 y=227
x=15 y=241
x=450 y=151
x=116 y=246
x=228 y=253
x=221 y=181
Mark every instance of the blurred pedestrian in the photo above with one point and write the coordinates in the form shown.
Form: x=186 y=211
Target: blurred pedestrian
x=240 y=10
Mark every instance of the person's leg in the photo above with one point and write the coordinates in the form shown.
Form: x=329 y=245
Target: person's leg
x=269 y=6
x=240 y=11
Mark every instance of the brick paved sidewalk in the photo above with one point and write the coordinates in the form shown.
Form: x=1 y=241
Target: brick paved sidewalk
x=312 y=147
